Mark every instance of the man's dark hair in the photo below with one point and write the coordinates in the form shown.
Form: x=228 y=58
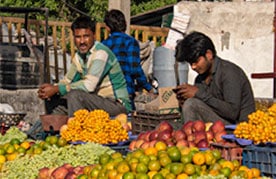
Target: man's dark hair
x=115 y=20
x=83 y=22
x=193 y=46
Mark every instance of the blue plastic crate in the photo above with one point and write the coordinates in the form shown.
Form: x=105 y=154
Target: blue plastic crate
x=261 y=157
x=124 y=149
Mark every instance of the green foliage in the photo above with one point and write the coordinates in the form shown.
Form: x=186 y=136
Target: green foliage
x=138 y=7
x=67 y=10
x=56 y=8
x=97 y=9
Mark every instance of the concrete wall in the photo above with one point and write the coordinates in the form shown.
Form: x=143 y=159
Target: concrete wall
x=242 y=33
x=25 y=101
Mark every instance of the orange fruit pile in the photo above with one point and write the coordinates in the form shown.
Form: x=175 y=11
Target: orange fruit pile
x=164 y=162
x=94 y=126
x=260 y=127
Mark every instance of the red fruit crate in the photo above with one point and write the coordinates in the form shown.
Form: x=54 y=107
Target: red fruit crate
x=261 y=157
x=142 y=121
x=229 y=151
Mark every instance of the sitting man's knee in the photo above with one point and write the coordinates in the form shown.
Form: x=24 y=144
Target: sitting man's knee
x=73 y=94
x=190 y=102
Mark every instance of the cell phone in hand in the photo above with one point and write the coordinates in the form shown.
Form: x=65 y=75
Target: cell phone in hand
x=175 y=90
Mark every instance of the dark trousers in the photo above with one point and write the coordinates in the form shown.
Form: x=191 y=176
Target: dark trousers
x=195 y=109
x=78 y=99
x=55 y=101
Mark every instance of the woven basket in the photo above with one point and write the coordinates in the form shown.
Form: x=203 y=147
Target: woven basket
x=53 y=122
x=11 y=119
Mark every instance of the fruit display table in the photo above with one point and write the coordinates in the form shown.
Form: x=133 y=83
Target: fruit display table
x=193 y=149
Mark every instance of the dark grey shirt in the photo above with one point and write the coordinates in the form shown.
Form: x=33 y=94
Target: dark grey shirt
x=229 y=93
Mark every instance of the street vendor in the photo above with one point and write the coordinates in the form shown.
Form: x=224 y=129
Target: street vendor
x=127 y=51
x=93 y=68
x=221 y=89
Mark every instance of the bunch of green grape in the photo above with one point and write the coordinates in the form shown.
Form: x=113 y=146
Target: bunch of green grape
x=76 y=155
x=12 y=132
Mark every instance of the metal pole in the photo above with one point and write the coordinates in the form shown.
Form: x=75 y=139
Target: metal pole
x=46 y=52
x=274 y=69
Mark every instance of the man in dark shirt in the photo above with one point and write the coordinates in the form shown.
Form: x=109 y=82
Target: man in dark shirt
x=221 y=90
x=127 y=51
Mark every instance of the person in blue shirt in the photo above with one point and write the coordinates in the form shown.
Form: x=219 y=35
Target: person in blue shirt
x=127 y=50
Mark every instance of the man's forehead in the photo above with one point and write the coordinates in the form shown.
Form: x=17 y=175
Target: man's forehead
x=83 y=31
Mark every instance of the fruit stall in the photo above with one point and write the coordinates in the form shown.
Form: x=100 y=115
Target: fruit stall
x=143 y=145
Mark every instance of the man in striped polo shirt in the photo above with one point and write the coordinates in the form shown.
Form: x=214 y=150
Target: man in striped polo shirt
x=94 y=81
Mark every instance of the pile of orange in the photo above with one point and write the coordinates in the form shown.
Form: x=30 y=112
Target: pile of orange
x=94 y=126
x=163 y=162
x=9 y=151
x=260 y=127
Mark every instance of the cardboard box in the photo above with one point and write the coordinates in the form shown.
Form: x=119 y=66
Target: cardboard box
x=142 y=99
x=165 y=103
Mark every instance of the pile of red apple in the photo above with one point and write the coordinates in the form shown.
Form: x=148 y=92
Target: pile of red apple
x=66 y=171
x=190 y=134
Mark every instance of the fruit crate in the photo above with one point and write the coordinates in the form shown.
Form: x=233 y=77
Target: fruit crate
x=261 y=157
x=142 y=121
x=19 y=73
x=229 y=151
x=11 y=119
x=124 y=149
x=264 y=103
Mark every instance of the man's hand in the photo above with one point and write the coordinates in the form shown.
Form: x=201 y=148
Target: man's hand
x=185 y=91
x=152 y=94
x=46 y=91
